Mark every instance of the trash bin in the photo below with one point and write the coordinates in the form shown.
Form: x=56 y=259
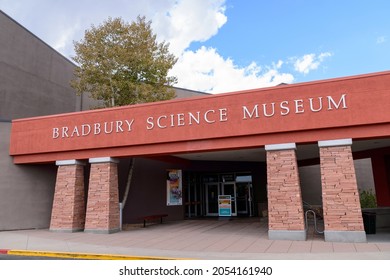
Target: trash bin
x=369 y=221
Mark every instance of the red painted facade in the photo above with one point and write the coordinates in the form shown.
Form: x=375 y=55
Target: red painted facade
x=332 y=113
x=353 y=107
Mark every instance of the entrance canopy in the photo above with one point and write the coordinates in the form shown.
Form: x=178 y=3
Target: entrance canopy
x=353 y=107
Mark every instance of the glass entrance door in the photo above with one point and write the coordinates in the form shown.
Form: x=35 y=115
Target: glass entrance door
x=237 y=185
x=230 y=189
x=244 y=199
x=212 y=192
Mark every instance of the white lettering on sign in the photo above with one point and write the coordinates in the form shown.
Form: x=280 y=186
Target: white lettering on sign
x=209 y=116
x=342 y=101
x=319 y=105
x=56 y=133
x=65 y=130
x=297 y=106
x=129 y=124
x=284 y=109
x=223 y=115
x=119 y=126
x=75 y=132
x=271 y=113
x=85 y=129
x=195 y=118
x=97 y=129
x=182 y=119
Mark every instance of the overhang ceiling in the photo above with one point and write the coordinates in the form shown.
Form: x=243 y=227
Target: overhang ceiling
x=308 y=151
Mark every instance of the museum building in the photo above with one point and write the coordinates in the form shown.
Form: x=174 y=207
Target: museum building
x=239 y=154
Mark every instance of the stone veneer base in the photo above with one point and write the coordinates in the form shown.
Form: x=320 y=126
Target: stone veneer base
x=65 y=230
x=102 y=231
x=295 y=235
x=68 y=210
x=345 y=236
x=102 y=215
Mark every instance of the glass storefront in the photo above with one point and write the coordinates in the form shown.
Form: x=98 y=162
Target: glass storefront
x=203 y=191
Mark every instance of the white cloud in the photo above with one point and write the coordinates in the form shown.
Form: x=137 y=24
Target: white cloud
x=206 y=70
x=189 y=21
x=309 y=62
x=61 y=43
x=381 y=39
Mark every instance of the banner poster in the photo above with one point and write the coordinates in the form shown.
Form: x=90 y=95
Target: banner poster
x=225 y=205
x=174 y=187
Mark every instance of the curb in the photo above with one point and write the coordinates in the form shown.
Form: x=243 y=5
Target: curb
x=85 y=256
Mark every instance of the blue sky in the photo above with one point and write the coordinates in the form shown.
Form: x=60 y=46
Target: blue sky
x=355 y=33
x=230 y=45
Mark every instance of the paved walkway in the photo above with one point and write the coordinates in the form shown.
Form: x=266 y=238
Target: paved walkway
x=199 y=239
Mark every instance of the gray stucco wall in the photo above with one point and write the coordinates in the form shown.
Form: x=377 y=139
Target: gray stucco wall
x=185 y=93
x=310 y=177
x=26 y=191
x=147 y=194
x=34 y=79
x=364 y=175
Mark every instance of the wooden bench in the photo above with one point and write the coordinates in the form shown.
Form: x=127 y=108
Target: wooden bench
x=153 y=218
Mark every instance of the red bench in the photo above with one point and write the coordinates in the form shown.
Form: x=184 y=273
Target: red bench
x=153 y=218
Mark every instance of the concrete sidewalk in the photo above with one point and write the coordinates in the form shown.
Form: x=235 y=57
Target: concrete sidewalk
x=195 y=239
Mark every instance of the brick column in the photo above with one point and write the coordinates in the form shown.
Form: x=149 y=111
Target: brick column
x=285 y=210
x=68 y=212
x=103 y=197
x=340 y=196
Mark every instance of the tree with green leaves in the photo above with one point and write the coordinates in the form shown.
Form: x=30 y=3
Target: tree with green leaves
x=121 y=64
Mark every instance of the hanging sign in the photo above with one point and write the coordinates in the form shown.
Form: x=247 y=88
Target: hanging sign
x=174 y=187
x=225 y=205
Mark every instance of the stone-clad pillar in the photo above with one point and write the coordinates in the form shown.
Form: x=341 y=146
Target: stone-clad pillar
x=68 y=212
x=340 y=196
x=103 y=196
x=285 y=210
